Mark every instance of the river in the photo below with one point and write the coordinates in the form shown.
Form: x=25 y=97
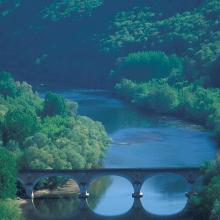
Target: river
x=138 y=140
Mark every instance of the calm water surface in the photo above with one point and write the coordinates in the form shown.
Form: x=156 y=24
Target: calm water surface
x=138 y=140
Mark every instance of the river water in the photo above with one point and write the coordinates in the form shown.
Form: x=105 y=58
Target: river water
x=138 y=140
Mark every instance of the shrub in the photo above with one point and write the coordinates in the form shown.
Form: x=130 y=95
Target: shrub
x=19 y=123
x=155 y=95
x=144 y=66
x=163 y=99
x=7 y=174
x=7 y=85
x=54 y=105
x=60 y=9
x=9 y=210
x=215 y=213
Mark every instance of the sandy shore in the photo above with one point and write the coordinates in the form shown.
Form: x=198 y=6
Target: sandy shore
x=70 y=188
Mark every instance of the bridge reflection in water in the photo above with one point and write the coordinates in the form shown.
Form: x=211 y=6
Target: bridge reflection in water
x=84 y=178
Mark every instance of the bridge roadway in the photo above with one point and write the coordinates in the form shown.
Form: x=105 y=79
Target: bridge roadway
x=136 y=176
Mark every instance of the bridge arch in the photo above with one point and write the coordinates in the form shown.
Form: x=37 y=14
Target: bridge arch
x=45 y=176
x=162 y=188
x=100 y=175
x=84 y=178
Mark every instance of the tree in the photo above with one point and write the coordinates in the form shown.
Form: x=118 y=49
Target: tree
x=19 y=123
x=60 y=9
x=146 y=65
x=7 y=84
x=163 y=99
x=7 y=174
x=54 y=105
x=215 y=213
x=9 y=210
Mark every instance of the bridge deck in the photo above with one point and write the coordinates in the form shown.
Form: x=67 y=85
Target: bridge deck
x=152 y=169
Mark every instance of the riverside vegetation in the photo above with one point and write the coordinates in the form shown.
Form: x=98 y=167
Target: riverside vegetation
x=44 y=134
x=161 y=56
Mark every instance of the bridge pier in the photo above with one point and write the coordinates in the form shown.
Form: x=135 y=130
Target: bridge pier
x=137 y=189
x=29 y=191
x=84 y=204
x=137 y=204
x=83 y=190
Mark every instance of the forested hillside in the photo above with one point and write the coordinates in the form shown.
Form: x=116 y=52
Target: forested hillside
x=43 y=40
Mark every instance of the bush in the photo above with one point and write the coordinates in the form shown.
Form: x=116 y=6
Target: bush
x=189 y=101
x=163 y=99
x=207 y=206
x=7 y=85
x=193 y=35
x=144 y=66
x=54 y=105
x=215 y=213
x=126 y=89
x=60 y=9
x=156 y=95
x=9 y=210
x=7 y=174
x=19 y=123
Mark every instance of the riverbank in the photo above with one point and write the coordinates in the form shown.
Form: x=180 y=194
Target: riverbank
x=184 y=100
x=68 y=190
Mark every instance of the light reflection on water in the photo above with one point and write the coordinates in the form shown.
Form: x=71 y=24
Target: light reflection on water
x=166 y=191
x=139 y=141
x=59 y=207
x=119 y=190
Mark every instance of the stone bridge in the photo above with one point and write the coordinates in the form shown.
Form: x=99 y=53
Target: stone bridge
x=84 y=177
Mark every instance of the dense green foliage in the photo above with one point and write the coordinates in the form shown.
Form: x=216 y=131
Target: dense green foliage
x=54 y=105
x=9 y=210
x=48 y=133
x=61 y=9
x=19 y=124
x=144 y=66
x=64 y=143
x=7 y=174
x=189 y=101
x=58 y=41
x=7 y=85
x=206 y=204
x=193 y=35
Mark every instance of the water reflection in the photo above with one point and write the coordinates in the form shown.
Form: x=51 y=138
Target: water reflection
x=56 y=207
x=166 y=191
x=78 y=212
x=111 y=196
x=115 y=200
